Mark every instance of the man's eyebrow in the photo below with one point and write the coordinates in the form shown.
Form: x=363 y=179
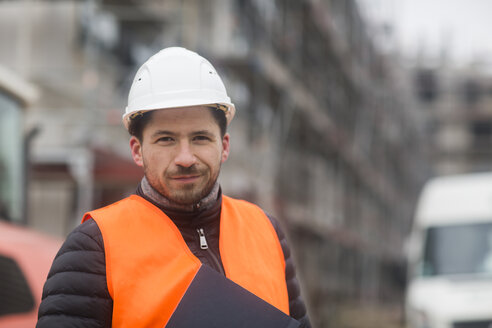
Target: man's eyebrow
x=163 y=132
x=171 y=133
x=203 y=132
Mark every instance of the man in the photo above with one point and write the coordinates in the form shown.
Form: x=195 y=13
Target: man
x=129 y=264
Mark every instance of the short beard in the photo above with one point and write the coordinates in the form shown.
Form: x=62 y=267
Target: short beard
x=189 y=196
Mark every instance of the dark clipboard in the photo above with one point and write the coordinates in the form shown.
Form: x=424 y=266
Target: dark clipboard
x=213 y=301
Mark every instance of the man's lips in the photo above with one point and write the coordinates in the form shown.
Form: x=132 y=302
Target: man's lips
x=185 y=178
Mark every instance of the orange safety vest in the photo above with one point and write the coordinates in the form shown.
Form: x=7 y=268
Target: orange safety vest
x=149 y=266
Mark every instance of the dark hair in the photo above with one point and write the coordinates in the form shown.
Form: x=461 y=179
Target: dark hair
x=137 y=124
x=221 y=120
x=139 y=121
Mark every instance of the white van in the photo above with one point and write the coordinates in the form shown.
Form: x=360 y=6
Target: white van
x=450 y=254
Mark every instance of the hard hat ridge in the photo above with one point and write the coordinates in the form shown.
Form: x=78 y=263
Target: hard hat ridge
x=176 y=77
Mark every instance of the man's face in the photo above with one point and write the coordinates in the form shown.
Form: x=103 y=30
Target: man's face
x=181 y=153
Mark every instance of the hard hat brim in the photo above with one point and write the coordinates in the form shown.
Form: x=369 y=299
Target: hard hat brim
x=228 y=108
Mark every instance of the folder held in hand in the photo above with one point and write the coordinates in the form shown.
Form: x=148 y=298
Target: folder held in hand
x=213 y=301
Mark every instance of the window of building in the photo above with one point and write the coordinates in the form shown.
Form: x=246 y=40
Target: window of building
x=472 y=92
x=482 y=133
x=426 y=85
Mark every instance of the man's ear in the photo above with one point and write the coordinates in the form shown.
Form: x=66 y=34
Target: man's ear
x=225 y=147
x=136 y=148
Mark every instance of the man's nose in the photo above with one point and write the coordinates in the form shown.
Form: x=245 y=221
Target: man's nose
x=185 y=156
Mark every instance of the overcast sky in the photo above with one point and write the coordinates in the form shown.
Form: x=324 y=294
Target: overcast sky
x=464 y=27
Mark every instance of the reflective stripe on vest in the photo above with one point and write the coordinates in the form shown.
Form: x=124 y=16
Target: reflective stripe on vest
x=149 y=266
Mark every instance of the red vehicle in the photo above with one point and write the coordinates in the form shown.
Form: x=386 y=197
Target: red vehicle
x=25 y=259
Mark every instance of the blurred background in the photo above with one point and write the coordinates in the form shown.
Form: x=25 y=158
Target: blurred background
x=344 y=109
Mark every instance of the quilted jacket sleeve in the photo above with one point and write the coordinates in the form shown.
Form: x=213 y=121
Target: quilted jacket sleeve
x=297 y=307
x=75 y=293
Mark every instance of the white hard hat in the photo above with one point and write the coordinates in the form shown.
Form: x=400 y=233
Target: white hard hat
x=177 y=77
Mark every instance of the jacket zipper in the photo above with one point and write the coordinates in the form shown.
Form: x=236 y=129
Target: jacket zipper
x=204 y=246
x=203 y=240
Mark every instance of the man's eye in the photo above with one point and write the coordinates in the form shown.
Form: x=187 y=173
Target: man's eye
x=165 y=139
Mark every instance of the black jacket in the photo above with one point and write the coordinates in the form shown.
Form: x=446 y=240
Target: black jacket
x=76 y=294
